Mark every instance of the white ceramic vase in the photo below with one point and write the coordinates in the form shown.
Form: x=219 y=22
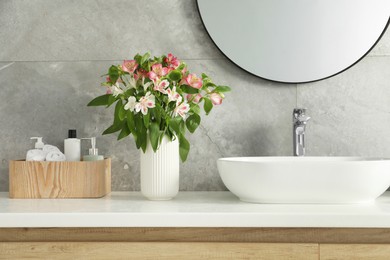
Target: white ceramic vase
x=160 y=170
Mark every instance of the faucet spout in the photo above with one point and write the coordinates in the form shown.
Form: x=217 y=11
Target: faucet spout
x=300 y=120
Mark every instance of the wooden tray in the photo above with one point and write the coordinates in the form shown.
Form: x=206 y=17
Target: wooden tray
x=52 y=180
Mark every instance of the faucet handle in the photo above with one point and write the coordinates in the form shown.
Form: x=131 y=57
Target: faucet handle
x=299 y=111
x=299 y=114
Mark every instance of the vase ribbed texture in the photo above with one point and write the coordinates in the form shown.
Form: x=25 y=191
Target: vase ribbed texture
x=160 y=171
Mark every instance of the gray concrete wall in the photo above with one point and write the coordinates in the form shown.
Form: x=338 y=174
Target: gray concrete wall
x=53 y=52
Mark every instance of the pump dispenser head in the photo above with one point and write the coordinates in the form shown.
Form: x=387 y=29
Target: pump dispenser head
x=39 y=144
x=93 y=150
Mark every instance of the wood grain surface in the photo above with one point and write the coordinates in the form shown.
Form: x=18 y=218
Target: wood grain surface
x=195 y=243
x=156 y=250
x=256 y=235
x=354 y=252
x=28 y=179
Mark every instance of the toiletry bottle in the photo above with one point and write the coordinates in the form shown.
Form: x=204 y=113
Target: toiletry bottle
x=93 y=154
x=72 y=146
x=39 y=144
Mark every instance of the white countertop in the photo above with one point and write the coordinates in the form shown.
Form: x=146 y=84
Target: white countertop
x=188 y=209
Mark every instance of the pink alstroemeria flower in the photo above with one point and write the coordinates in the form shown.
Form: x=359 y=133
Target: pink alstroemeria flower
x=172 y=61
x=141 y=73
x=129 y=66
x=173 y=95
x=147 y=101
x=216 y=98
x=182 y=109
x=195 y=99
x=193 y=81
x=108 y=80
x=157 y=72
x=162 y=86
x=183 y=76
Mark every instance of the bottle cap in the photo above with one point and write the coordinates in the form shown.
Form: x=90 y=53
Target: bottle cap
x=72 y=133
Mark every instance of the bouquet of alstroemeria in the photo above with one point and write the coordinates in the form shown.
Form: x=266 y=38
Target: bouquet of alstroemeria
x=156 y=97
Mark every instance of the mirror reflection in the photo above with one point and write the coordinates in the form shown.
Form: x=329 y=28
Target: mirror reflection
x=295 y=41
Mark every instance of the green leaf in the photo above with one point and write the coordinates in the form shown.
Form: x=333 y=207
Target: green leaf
x=130 y=92
x=130 y=121
x=222 y=89
x=112 y=129
x=174 y=123
x=118 y=107
x=159 y=59
x=184 y=148
x=204 y=76
x=100 y=100
x=141 y=132
x=208 y=84
x=195 y=108
x=125 y=132
x=154 y=133
x=113 y=73
x=111 y=100
x=174 y=75
x=189 y=89
x=156 y=114
x=193 y=122
x=121 y=112
x=145 y=58
x=147 y=120
x=168 y=133
x=138 y=58
x=144 y=141
x=208 y=105
x=138 y=122
x=181 y=66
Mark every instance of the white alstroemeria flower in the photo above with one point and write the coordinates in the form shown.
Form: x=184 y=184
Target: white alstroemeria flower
x=161 y=86
x=182 y=109
x=146 y=85
x=130 y=105
x=147 y=101
x=174 y=96
x=116 y=90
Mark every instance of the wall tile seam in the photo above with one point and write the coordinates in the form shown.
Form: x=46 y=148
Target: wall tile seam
x=8 y=64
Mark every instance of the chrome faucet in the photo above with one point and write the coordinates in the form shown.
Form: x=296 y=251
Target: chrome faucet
x=299 y=127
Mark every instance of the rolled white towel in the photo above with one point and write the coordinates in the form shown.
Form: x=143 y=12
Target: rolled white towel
x=55 y=156
x=35 y=155
x=50 y=148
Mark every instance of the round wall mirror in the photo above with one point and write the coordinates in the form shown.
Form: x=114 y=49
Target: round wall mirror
x=295 y=41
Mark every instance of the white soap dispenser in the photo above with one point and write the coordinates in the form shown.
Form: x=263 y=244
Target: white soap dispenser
x=39 y=144
x=72 y=146
x=93 y=154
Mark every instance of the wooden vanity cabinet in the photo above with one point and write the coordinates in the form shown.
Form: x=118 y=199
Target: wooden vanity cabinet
x=195 y=243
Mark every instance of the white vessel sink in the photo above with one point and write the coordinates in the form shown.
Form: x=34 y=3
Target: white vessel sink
x=305 y=179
